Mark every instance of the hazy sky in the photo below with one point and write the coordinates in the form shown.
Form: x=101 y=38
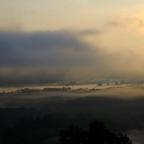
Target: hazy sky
x=81 y=40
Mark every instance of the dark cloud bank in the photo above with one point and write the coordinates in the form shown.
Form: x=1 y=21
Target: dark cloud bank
x=59 y=56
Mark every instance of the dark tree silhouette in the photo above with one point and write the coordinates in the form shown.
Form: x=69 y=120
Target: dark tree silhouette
x=116 y=82
x=99 y=84
x=97 y=134
x=122 y=82
x=108 y=83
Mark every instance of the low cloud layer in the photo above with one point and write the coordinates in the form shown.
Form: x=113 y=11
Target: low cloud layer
x=64 y=55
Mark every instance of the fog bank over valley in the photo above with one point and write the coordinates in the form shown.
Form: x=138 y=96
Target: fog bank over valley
x=57 y=57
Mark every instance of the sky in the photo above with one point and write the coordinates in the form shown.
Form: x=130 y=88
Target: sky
x=80 y=40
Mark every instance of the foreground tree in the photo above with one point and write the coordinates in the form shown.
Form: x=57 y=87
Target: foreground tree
x=97 y=134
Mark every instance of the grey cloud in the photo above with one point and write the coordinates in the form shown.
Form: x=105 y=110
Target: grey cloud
x=63 y=55
x=42 y=54
x=38 y=48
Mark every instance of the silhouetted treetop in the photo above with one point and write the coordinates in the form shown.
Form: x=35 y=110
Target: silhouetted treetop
x=97 y=134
